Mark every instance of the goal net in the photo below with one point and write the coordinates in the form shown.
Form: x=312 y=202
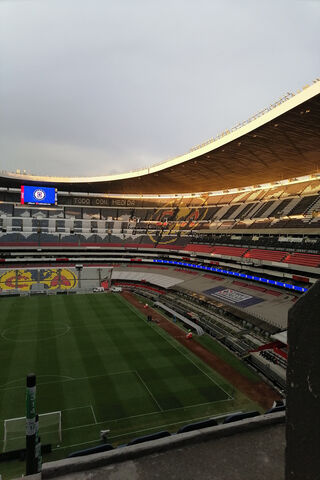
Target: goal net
x=15 y=431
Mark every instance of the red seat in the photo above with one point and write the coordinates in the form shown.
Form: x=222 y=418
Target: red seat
x=230 y=251
x=192 y=247
x=306 y=259
x=269 y=255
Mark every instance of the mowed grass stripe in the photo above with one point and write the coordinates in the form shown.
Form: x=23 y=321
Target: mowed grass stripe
x=185 y=381
x=109 y=395
x=106 y=314
x=108 y=341
x=139 y=362
x=7 y=360
x=9 y=316
x=192 y=359
x=48 y=357
x=85 y=343
x=144 y=352
x=89 y=357
x=19 y=358
x=129 y=356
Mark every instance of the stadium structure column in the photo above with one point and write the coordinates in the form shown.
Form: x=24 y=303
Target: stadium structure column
x=31 y=465
x=303 y=388
x=59 y=278
x=79 y=270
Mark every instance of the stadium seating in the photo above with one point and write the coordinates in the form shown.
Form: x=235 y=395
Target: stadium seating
x=303 y=205
x=240 y=416
x=230 y=251
x=269 y=255
x=306 y=259
x=170 y=243
x=223 y=211
x=148 y=438
x=198 y=426
x=91 y=450
x=192 y=247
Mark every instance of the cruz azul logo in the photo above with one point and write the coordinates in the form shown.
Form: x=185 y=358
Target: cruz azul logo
x=39 y=194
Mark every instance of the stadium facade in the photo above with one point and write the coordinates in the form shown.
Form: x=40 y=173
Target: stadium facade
x=247 y=199
x=224 y=238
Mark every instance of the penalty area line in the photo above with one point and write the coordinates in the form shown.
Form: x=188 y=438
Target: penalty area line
x=149 y=391
x=72 y=379
x=115 y=420
x=94 y=415
x=146 y=430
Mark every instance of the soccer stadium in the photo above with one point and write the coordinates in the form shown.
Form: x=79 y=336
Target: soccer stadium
x=155 y=303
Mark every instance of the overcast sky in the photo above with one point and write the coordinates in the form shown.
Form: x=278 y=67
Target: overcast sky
x=91 y=87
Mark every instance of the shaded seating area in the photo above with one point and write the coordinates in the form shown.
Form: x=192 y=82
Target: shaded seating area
x=231 y=251
x=193 y=247
x=269 y=255
x=306 y=259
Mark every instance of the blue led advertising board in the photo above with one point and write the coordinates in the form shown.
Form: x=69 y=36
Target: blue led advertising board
x=38 y=195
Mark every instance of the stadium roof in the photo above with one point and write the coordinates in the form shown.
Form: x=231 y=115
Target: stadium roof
x=280 y=142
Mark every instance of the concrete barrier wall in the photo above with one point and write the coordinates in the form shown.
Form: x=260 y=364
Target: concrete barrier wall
x=89 y=462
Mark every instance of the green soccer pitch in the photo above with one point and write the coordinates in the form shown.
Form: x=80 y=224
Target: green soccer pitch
x=103 y=366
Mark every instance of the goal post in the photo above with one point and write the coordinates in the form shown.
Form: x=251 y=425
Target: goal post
x=15 y=431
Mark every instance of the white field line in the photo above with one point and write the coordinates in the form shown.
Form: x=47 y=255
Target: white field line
x=108 y=422
x=145 y=430
x=187 y=356
x=60 y=411
x=76 y=445
x=136 y=416
x=2 y=335
x=72 y=379
x=130 y=417
x=143 y=415
x=132 y=371
x=162 y=426
x=38 y=376
x=40 y=415
x=75 y=408
x=149 y=391
x=94 y=416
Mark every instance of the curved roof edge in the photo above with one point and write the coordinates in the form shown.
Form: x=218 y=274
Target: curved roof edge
x=268 y=114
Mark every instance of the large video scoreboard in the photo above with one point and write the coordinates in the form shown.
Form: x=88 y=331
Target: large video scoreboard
x=33 y=195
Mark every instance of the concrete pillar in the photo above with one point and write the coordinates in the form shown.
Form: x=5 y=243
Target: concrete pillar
x=303 y=388
x=79 y=269
x=59 y=278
